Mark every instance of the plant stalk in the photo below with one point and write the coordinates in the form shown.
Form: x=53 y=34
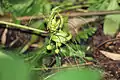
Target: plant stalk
x=37 y=31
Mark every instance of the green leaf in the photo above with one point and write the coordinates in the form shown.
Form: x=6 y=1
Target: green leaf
x=89 y=58
x=61 y=37
x=58 y=61
x=36 y=8
x=13 y=67
x=1 y=11
x=20 y=7
x=104 y=5
x=38 y=25
x=92 y=1
x=75 y=74
x=99 y=5
x=29 y=7
x=111 y=23
x=49 y=47
x=113 y=5
x=57 y=51
x=47 y=7
x=110 y=26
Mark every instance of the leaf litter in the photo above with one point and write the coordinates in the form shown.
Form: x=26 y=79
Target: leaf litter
x=106 y=52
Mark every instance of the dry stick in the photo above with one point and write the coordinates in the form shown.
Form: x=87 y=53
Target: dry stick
x=107 y=41
x=75 y=14
x=92 y=13
x=112 y=62
x=86 y=64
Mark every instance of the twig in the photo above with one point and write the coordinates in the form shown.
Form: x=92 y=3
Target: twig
x=86 y=64
x=112 y=62
x=92 y=13
x=73 y=14
x=107 y=41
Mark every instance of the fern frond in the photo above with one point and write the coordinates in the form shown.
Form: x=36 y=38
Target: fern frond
x=85 y=34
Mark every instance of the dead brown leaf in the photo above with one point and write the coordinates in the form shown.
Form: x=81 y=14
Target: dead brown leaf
x=113 y=56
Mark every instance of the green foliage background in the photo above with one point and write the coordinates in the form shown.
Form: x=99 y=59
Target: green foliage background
x=15 y=68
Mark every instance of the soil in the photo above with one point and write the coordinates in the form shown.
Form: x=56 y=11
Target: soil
x=107 y=43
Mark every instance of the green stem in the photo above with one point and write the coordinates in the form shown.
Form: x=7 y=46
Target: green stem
x=62 y=22
x=73 y=7
x=23 y=27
